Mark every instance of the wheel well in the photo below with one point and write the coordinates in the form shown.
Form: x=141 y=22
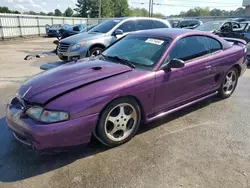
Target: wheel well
x=238 y=68
x=97 y=45
x=94 y=46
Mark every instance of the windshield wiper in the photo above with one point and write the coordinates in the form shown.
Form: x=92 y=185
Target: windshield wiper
x=122 y=61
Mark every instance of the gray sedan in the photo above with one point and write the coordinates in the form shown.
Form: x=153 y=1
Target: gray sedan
x=97 y=39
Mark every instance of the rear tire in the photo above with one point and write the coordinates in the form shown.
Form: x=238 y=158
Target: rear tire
x=119 y=122
x=229 y=83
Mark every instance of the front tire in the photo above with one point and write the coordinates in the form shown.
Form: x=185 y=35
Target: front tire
x=229 y=83
x=95 y=51
x=119 y=122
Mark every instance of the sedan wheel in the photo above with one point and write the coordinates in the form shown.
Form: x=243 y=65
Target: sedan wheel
x=229 y=83
x=95 y=51
x=119 y=122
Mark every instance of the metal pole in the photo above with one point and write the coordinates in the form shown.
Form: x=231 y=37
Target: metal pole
x=149 y=8
x=152 y=8
x=100 y=10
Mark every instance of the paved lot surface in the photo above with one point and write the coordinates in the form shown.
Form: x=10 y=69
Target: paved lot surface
x=206 y=145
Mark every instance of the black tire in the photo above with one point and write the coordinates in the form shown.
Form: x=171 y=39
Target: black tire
x=222 y=92
x=100 y=129
x=91 y=51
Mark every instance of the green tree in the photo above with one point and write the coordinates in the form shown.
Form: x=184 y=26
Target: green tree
x=85 y=6
x=216 y=12
x=138 y=12
x=239 y=12
x=4 y=10
x=68 y=12
x=121 y=8
x=107 y=9
x=50 y=14
x=42 y=13
x=58 y=12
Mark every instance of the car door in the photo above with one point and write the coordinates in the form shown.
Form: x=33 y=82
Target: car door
x=179 y=85
x=213 y=62
x=127 y=27
x=184 y=24
x=226 y=30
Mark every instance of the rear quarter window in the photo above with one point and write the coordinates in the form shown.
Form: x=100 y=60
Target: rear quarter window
x=159 y=24
x=214 y=45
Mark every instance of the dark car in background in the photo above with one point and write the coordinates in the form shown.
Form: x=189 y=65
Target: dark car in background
x=185 y=23
x=237 y=19
x=54 y=30
x=229 y=29
x=66 y=32
x=94 y=41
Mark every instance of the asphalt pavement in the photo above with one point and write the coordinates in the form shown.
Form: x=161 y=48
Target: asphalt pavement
x=205 y=145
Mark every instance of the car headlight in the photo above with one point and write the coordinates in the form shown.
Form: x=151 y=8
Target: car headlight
x=46 y=116
x=77 y=46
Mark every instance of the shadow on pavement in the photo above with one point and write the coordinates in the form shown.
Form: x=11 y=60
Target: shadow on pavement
x=19 y=163
x=51 y=65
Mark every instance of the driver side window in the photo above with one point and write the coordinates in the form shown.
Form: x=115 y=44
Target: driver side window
x=128 y=26
x=189 y=48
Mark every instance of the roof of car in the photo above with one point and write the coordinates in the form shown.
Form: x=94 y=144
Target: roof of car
x=170 y=32
x=135 y=18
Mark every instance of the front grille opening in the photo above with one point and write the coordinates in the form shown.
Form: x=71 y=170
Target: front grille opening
x=63 y=47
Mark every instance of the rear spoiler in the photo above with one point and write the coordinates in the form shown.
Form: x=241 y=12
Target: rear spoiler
x=235 y=41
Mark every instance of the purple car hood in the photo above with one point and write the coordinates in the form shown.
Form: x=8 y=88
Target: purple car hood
x=47 y=85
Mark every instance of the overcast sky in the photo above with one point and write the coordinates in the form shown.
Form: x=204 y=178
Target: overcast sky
x=166 y=7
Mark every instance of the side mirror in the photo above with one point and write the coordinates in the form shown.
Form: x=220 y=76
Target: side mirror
x=118 y=32
x=175 y=63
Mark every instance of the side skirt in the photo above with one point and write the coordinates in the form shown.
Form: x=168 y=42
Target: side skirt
x=180 y=107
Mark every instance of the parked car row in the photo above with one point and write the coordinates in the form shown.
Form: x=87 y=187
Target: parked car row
x=64 y=30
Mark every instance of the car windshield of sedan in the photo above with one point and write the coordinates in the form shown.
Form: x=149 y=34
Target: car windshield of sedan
x=56 y=26
x=143 y=51
x=210 y=26
x=105 y=26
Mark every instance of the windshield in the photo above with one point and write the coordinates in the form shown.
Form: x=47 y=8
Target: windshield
x=56 y=26
x=88 y=28
x=139 y=50
x=210 y=26
x=105 y=26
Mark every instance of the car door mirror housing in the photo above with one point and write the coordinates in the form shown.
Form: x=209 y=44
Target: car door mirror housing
x=118 y=32
x=174 y=63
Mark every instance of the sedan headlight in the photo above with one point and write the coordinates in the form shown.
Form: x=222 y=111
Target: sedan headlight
x=46 y=116
x=77 y=46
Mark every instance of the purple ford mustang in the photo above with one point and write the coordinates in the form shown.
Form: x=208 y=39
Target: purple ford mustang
x=141 y=77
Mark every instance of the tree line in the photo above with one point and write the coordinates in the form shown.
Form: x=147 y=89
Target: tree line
x=120 y=8
x=198 y=11
x=67 y=13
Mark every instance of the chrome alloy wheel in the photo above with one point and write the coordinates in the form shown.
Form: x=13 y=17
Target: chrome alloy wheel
x=230 y=82
x=120 y=122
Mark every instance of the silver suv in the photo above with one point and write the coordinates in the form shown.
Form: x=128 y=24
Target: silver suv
x=98 y=38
